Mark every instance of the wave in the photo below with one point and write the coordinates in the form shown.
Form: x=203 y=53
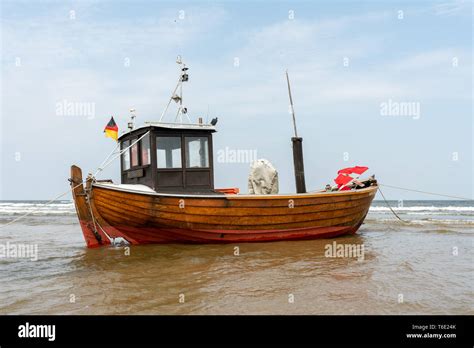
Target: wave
x=37 y=213
x=36 y=208
x=427 y=221
x=23 y=204
x=424 y=208
x=40 y=208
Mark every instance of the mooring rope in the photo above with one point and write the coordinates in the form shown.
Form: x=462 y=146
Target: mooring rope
x=96 y=223
x=388 y=205
x=425 y=192
x=412 y=190
x=35 y=211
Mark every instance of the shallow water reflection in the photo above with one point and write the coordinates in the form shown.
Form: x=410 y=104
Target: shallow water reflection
x=264 y=278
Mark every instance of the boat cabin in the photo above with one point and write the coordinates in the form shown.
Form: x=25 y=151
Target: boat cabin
x=172 y=157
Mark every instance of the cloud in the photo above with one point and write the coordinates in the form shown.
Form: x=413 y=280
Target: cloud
x=83 y=60
x=452 y=8
x=440 y=58
x=55 y=40
x=299 y=40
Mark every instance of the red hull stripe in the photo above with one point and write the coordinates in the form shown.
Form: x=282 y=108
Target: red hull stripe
x=91 y=240
x=147 y=235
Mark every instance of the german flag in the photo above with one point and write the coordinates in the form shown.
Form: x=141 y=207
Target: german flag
x=111 y=130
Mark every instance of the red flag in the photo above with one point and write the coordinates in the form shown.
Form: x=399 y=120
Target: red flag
x=353 y=170
x=342 y=179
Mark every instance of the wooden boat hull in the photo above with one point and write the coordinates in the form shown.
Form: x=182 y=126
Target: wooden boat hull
x=108 y=211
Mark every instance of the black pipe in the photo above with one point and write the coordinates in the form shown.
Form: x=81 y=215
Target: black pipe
x=299 y=165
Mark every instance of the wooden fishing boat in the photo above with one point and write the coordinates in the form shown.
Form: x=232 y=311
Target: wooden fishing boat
x=167 y=195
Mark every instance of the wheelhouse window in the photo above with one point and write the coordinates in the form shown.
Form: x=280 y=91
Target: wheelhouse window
x=168 y=152
x=126 y=155
x=134 y=153
x=145 y=150
x=197 y=152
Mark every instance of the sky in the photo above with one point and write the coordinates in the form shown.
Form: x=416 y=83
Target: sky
x=384 y=84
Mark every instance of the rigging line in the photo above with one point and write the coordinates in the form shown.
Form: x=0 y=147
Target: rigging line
x=72 y=188
x=96 y=234
x=171 y=98
x=96 y=222
x=388 y=205
x=118 y=154
x=37 y=210
x=187 y=116
x=102 y=167
x=110 y=154
x=112 y=240
x=428 y=193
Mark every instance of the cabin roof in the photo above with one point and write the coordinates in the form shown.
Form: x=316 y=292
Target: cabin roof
x=174 y=126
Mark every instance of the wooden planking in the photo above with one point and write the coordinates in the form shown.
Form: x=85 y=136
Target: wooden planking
x=256 y=201
x=117 y=216
x=252 y=219
x=228 y=200
x=119 y=223
x=153 y=218
x=155 y=207
x=143 y=218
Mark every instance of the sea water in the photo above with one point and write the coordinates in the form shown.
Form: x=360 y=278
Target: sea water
x=424 y=266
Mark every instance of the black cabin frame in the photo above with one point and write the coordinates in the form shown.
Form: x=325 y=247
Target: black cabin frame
x=168 y=179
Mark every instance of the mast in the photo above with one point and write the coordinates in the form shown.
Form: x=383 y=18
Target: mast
x=178 y=98
x=297 y=149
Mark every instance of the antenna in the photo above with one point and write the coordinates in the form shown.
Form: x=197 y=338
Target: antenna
x=178 y=98
x=131 y=123
x=291 y=103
